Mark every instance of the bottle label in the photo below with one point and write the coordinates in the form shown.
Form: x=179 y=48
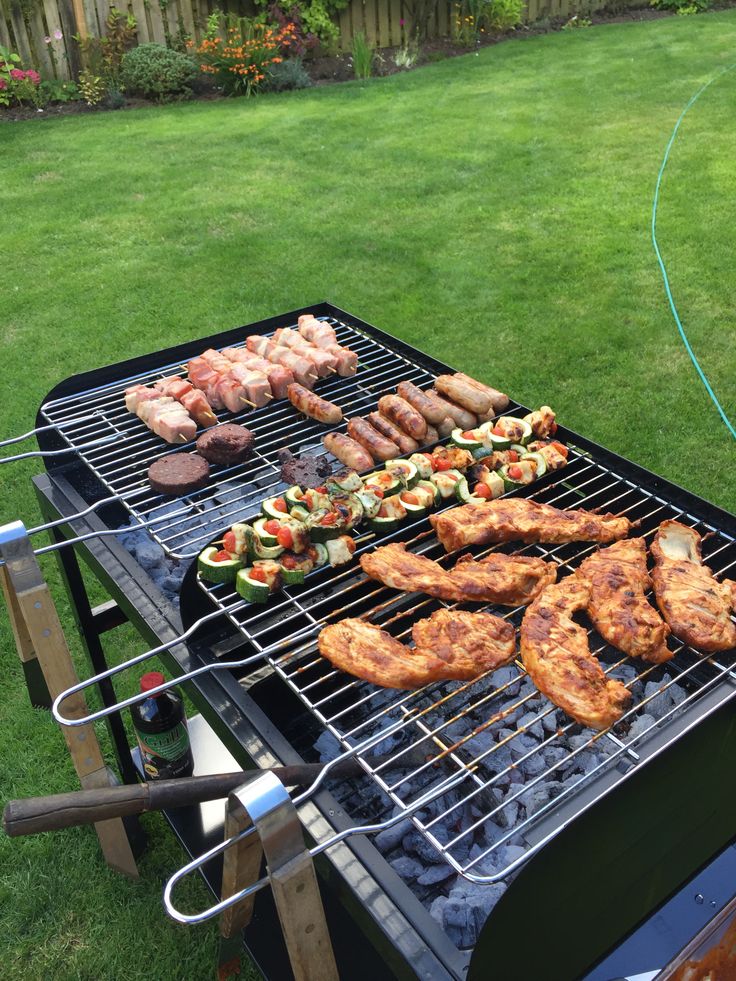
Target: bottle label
x=165 y=754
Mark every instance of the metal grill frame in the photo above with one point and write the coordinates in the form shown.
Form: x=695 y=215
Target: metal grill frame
x=300 y=666
x=184 y=526
x=243 y=721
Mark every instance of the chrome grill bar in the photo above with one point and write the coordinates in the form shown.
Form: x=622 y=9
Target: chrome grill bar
x=452 y=725
x=118 y=449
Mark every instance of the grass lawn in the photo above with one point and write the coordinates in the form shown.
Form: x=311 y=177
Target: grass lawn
x=493 y=210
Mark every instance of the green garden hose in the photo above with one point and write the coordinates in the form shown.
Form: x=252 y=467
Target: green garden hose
x=668 y=291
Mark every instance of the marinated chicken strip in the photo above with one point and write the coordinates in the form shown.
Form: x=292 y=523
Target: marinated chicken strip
x=367 y=652
x=693 y=603
x=516 y=519
x=618 y=606
x=472 y=643
x=509 y=580
x=555 y=652
x=394 y=566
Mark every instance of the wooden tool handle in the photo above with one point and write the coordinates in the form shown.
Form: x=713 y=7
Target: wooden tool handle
x=35 y=814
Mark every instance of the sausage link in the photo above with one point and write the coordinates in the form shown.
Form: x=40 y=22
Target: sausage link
x=454 y=388
x=405 y=443
x=432 y=436
x=415 y=396
x=377 y=445
x=405 y=416
x=446 y=426
x=349 y=452
x=463 y=418
x=313 y=406
x=499 y=399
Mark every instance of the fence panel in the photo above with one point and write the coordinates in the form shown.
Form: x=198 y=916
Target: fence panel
x=379 y=20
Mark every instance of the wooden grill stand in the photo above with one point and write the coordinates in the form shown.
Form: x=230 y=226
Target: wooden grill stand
x=46 y=659
x=264 y=802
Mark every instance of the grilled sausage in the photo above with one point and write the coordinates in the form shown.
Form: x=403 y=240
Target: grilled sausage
x=313 y=406
x=446 y=426
x=376 y=443
x=347 y=451
x=499 y=400
x=432 y=436
x=415 y=396
x=465 y=395
x=403 y=415
x=463 y=418
x=405 y=443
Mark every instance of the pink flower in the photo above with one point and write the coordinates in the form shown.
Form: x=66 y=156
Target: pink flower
x=33 y=76
x=58 y=35
x=401 y=22
x=17 y=74
x=3 y=84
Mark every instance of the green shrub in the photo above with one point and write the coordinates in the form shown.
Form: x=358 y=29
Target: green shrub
x=682 y=7
x=56 y=90
x=288 y=74
x=156 y=72
x=362 y=56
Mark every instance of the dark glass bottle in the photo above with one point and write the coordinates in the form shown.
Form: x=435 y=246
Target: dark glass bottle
x=161 y=727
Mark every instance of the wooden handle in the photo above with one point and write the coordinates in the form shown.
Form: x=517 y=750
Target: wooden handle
x=36 y=814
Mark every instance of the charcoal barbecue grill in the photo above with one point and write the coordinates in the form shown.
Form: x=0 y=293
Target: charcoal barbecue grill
x=592 y=819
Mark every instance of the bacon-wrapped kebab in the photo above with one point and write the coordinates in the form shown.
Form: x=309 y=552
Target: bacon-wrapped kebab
x=314 y=406
x=463 y=418
x=376 y=443
x=302 y=369
x=405 y=416
x=317 y=332
x=279 y=377
x=499 y=399
x=405 y=443
x=161 y=413
x=428 y=407
x=193 y=400
x=347 y=451
x=461 y=393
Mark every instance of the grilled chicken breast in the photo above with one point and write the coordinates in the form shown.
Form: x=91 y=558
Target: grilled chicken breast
x=517 y=519
x=366 y=651
x=509 y=580
x=555 y=652
x=394 y=566
x=472 y=643
x=693 y=603
x=618 y=606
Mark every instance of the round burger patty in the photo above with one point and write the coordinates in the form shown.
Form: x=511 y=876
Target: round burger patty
x=226 y=444
x=178 y=474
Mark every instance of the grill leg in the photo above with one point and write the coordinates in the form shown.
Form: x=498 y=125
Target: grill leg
x=90 y=637
x=264 y=802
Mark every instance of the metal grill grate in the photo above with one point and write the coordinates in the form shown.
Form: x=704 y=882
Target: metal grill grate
x=184 y=526
x=456 y=730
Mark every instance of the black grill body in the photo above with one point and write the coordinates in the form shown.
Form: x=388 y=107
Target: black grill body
x=591 y=884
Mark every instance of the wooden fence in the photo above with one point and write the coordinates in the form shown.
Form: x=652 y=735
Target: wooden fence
x=42 y=31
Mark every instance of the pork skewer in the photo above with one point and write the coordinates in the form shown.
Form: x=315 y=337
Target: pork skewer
x=162 y=414
x=254 y=384
x=279 y=377
x=301 y=368
x=193 y=400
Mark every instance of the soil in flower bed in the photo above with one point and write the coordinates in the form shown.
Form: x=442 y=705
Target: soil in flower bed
x=328 y=69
